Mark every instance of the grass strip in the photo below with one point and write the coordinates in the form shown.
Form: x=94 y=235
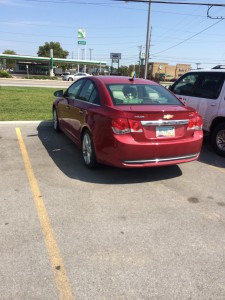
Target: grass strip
x=26 y=103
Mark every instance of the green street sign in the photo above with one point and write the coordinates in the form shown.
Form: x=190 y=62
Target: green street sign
x=81 y=42
x=81 y=33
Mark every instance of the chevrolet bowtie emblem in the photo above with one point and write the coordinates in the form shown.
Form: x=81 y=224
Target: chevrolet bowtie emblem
x=167 y=117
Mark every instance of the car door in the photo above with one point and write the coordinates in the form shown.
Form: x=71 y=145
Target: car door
x=80 y=109
x=204 y=95
x=184 y=87
x=208 y=93
x=66 y=107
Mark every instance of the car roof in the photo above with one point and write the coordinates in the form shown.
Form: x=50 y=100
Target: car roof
x=207 y=70
x=124 y=80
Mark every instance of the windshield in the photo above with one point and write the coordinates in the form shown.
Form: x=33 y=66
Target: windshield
x=141 y=94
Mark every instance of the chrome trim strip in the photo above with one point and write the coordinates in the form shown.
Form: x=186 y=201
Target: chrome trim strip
x=165 y=122
x=158 y=160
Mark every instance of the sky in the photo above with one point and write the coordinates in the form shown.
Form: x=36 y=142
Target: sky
x=179 y=33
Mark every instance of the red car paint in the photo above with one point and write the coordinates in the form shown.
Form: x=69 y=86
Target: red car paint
x=153 y=128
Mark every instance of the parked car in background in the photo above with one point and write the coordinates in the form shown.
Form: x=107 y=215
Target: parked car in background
x=204 y=90
x=127 y=122
x=74 y=77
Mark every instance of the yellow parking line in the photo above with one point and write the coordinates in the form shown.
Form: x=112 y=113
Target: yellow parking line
x=217 y=168
x=62 y=281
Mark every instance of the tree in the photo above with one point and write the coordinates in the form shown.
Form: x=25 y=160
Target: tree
x=9 y=52
x=57 y=50
x=124 y=70
x=9 y=63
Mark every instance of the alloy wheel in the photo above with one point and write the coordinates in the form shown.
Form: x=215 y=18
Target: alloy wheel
x=88 y=151
x=220 y=140
x=55 y=120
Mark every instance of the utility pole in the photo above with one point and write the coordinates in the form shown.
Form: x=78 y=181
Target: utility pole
x=139 y=67
x=147 y=46
x=90 y=49
x=82 y=54
x=51 y=63
x=147 y=52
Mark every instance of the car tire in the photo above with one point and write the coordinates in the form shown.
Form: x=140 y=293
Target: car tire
x=55 y=120
x=88 y=151
x=218 y=139
x=70 y=79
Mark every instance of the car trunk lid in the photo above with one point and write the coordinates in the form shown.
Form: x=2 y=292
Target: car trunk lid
x=161 y=123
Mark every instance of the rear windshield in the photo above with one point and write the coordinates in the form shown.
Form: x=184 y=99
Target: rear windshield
x=141 y=94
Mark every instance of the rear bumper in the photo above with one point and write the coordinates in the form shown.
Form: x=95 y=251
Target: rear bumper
x=127 y=153
x=160 y=161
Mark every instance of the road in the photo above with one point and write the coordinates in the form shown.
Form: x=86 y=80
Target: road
x=72 y=233
x=39 y=83
x=34 y=83
x=119 y=234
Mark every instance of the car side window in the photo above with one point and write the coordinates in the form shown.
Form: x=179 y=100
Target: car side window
x=74 y=89
x=94 y=98
x=185 y=85
x=210 y=86
x=89 y=93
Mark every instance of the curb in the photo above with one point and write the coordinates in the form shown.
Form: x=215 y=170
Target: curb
x=41 y=123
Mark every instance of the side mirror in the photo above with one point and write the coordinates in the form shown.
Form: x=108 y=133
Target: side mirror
x=58 y=93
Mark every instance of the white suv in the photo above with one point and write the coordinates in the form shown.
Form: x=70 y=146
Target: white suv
x=205 y=91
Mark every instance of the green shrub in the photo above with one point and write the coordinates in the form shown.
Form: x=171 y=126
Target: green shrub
x=4 y=74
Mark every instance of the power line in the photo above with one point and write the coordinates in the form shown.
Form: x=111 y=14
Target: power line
x=210 y=5
x=188 y=38
x=173 y=2
x=68 y=2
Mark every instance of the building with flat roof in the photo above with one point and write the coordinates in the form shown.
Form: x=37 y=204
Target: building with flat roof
x=164 y=71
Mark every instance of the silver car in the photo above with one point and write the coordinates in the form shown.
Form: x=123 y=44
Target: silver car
x=74 y=77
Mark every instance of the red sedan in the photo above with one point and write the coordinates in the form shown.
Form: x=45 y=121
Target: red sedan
x=127 y=122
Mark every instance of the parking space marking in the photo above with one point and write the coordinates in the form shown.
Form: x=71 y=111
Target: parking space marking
x=62 y=281
x=217 y=168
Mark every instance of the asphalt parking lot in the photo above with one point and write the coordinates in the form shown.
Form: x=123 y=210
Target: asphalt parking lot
x=71 y=233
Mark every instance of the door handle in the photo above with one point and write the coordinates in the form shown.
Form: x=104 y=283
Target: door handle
x=213 y=104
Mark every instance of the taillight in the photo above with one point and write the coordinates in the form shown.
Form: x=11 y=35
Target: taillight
x=198 y=125
x=135 y=126
x=123 y=126
x=195 y=123
x=120 y=126
x=191 y=124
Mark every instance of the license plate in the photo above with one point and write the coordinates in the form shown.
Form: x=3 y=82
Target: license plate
x=165 y=131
